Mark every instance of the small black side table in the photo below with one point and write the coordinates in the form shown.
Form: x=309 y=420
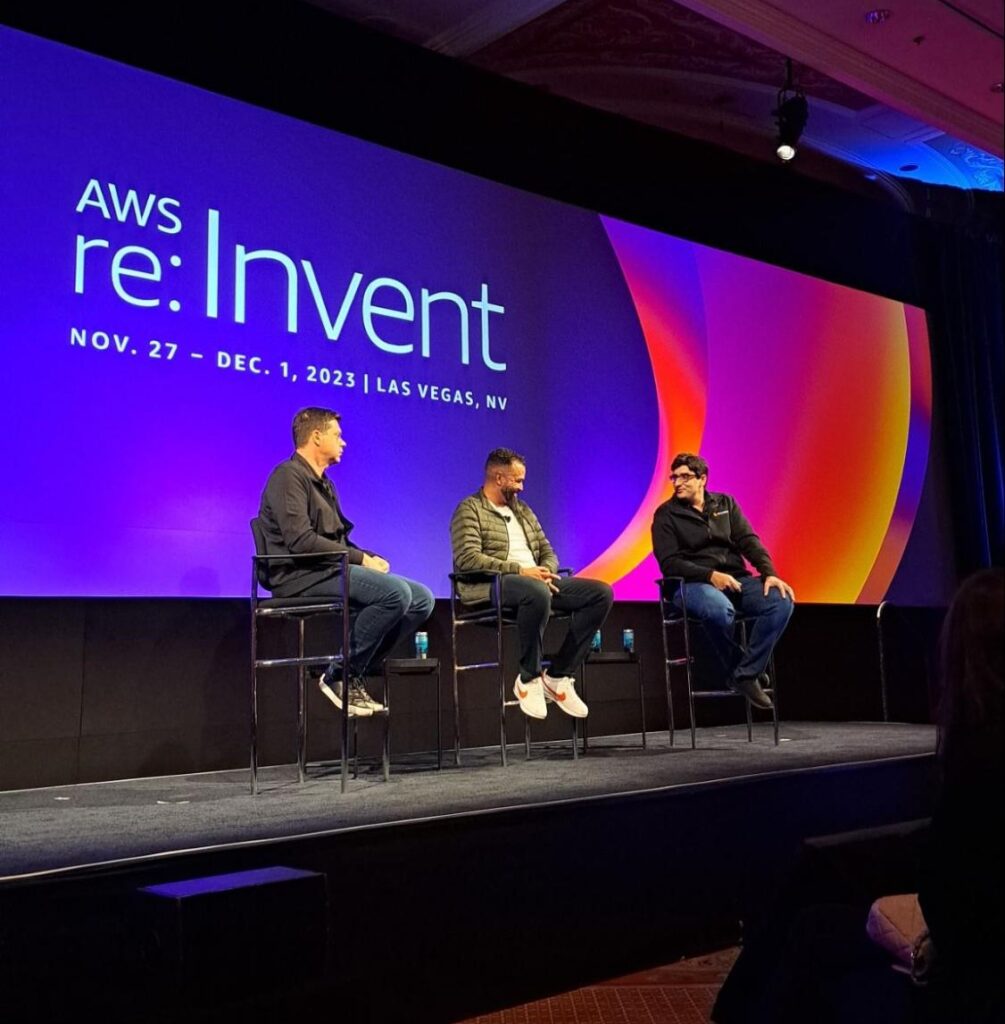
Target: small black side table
x=595 y=658
x=416 y=667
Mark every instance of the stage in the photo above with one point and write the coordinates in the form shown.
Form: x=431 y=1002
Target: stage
x=428 y=884
x=60 y=829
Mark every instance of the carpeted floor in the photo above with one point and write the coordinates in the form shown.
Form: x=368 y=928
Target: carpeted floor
x=680 y=993
x=63 y=827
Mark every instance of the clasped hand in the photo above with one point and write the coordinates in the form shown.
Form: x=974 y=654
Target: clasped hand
x=538 y=572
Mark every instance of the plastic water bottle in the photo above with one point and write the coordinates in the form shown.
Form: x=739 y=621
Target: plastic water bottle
x=628 y=640
x=595 y=642
x=422 y=645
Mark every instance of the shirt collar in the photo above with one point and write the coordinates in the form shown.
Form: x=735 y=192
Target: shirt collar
x=323 y=481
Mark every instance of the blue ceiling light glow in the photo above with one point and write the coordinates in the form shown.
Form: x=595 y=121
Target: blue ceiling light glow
x=940 y=159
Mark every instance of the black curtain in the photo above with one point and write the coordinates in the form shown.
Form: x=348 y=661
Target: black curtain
x=965 y=323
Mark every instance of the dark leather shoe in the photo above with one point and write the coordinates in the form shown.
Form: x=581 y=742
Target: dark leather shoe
x=751 y=689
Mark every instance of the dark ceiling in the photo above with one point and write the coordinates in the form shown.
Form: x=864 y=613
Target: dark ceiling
x=914 y=95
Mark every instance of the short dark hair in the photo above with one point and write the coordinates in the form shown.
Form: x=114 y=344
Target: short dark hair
x=500 y=457
x=695 y=463
x=310 y=419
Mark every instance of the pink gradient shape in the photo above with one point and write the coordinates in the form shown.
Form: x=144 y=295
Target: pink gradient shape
x=811 y=401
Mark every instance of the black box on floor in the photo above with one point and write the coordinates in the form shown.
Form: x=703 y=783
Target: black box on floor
x=245 y=931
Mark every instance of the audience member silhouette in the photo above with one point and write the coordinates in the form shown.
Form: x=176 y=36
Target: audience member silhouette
x=818 y=964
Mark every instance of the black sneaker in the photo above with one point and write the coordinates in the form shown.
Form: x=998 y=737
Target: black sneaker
x=358 y=697
x=331 y=687
x=751 y=689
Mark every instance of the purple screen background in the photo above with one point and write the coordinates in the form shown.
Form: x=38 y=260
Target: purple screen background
x=141 y=415
x=129 y=475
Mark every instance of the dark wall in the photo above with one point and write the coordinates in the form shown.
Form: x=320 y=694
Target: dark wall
x=105 y=689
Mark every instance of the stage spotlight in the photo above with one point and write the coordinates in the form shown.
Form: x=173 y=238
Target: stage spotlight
x=791 y=118
x=791 y=115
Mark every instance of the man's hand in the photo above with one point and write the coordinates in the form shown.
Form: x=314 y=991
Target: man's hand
x=783 y=588
x=538 y=572
x=723 y=581
x=376 y=562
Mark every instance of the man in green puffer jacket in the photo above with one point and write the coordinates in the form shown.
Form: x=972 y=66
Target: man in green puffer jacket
x=494 y=530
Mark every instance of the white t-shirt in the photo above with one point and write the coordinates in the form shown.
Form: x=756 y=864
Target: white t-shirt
x=519 y=550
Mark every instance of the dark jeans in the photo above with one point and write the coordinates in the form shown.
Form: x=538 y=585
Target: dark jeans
x=588 y=601
x=383 y=609
x=716 y=610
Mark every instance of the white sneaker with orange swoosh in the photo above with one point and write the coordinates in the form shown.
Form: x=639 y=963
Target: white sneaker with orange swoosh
x=530 y=697
x=562 y=691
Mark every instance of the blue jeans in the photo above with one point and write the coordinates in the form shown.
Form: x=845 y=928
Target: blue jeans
x=588 y=602
x=383 y=609
x=767 y=618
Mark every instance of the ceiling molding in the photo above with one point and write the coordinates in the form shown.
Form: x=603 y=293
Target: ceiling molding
x=487 y=24
x=805 y=44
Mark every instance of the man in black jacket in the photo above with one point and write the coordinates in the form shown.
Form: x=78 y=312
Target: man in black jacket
x=703 y=537
x=300 y=513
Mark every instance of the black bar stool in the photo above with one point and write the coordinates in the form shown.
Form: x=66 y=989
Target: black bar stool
x=674 y=618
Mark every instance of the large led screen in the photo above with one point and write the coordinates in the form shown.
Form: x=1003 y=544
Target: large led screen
x=182 y=272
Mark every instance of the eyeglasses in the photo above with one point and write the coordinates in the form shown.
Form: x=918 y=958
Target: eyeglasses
x=682 y=478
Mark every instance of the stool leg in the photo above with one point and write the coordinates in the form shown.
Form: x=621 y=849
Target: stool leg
x=665 y=629
x=576 y=721
x=690 y=685
x=502 y=684
x=502 y=716
x=457 y=705
x=254 y=717
x=344 y=720
x=386 y=756
x=439 y=716
x=301 y=710
x=642 y=700
x=670 y=722
x=586 y=726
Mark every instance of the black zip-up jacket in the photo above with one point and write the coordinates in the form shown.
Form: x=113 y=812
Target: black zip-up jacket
x=300 y=514
x=695 y=544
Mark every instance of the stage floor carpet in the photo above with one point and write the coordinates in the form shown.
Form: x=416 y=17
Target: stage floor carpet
x=64 y=829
